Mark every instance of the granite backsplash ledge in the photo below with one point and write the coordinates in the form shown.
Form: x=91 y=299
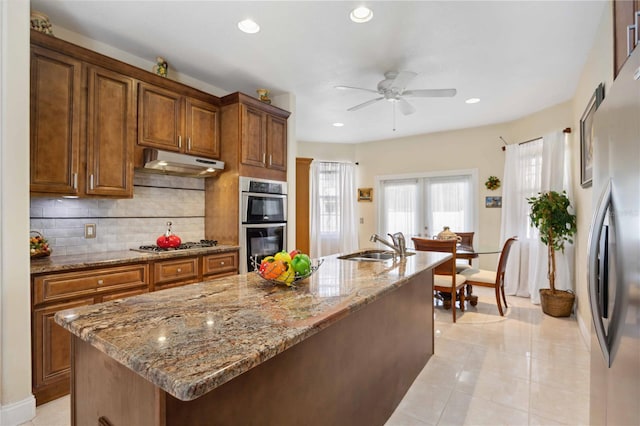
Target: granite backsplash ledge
x=122 y=224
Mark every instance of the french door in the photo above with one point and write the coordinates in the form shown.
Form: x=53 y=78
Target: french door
x=420 y=206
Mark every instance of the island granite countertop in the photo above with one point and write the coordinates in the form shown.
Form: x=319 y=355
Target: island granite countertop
x=192 y=339
x=111 y=258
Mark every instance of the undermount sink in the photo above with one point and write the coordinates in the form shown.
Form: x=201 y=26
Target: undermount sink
x=371 y=255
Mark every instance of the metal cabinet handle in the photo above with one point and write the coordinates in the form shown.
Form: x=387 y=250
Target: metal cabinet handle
x=91 y=181
x=270 y=158
x=75 y=181
x=179 y=269
x=629 y=29
x=221 y=263
x=179 y=141
x=188 y=144
x=264 y=158
x=100 y=282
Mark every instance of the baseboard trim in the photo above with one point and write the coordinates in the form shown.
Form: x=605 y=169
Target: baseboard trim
x=18 y=412
x=584 y=331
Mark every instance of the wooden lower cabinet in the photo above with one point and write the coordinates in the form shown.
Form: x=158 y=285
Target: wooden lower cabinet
x=53 y=292
x=51 y=349
x=175 y=272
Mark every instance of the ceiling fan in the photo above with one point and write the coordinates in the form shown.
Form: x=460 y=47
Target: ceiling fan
x=392 y=88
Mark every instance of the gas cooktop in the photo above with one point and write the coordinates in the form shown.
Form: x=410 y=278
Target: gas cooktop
x=189 y=245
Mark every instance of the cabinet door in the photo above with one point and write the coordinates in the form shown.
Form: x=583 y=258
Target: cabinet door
x=277 y=142
x=253 y=139
x=55 y=122
x=623 y=15
x=159 y=118
x=51 y=346
x=202 y=133
x=111 y=116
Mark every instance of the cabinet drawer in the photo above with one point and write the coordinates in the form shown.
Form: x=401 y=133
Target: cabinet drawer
x=54 y=287
x=220 y=263
x=123 y=294
x=167 y=271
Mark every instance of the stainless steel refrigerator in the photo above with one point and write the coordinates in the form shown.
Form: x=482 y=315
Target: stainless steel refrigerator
x=614 y=253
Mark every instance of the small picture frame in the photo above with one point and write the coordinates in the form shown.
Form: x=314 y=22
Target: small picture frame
x=586 y=137
x=365 y=194
x=493 y=202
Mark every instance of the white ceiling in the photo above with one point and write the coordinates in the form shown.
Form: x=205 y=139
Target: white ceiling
x=517 y=56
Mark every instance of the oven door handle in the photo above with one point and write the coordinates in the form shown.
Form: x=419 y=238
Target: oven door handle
x=264 y=225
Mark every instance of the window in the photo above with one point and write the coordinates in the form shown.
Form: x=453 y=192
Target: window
x=421 y=206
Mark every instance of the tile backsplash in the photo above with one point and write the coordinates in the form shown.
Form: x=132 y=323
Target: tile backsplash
x=122 y=224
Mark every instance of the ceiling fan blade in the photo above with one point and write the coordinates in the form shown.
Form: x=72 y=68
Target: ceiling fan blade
x=354 y=88
x=402 y=79
x=362 y=105
x=405 y=107
x=430 y=93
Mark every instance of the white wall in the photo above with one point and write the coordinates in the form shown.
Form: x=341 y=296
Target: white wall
x=16 y=402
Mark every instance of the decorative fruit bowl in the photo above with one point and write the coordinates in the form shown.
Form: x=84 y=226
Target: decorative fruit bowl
x=279 y=272
x=38 y=245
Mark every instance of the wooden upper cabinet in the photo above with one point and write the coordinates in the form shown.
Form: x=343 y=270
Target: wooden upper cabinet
x=277 y=142
x=254 y=139
x=167 y=120
x=624 y=16
x=111 y=117
x=159 y=118
x=56 y=88
x=202 y=128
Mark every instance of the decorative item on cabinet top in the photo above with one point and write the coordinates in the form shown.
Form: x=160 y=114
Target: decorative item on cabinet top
x=40 y=22
x=263 y=95
x=161 y=67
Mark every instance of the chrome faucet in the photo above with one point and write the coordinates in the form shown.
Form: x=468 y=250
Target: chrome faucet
x=399 y=243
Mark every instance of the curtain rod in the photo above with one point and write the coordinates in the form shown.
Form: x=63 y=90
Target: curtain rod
x=565 y=130
x=337 y=162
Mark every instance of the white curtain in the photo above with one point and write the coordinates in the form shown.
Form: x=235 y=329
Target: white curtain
x=537 y=166
x=333 y=209
x=399 y=199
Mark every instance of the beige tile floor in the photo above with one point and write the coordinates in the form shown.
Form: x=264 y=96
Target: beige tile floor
x=527 y=369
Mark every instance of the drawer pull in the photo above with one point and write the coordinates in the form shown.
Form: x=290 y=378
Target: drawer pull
x=100 y=282
x=221 y=263
x=179 y=269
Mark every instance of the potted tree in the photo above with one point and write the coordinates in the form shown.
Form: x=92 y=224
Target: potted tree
x=550 y=214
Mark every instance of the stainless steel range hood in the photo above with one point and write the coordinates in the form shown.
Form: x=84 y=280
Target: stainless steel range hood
x=171 y=163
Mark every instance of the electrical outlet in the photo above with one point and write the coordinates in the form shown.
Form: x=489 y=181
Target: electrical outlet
x=89 y=230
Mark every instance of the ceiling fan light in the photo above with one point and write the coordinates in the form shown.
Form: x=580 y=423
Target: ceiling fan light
x=472 y=101
x=361 y=14
x=248 y=26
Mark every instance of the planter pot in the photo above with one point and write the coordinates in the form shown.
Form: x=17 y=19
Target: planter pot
x=558 y=304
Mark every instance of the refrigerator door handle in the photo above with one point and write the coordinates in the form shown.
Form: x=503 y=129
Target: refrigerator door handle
x=595 y=233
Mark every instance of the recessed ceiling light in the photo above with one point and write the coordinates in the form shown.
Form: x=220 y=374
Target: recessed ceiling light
x=338 y=124
x=249 y=26
x=472 y=100
x=361 y=14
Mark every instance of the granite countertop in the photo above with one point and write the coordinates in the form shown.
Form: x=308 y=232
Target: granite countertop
x=192 y=339
x=109 y=258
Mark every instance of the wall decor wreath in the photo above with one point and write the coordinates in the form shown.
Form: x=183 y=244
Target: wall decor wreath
x=492 y=183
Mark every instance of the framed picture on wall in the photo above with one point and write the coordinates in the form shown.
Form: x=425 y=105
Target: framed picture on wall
x=586 y=137
x=493 y=202
x=365 y=194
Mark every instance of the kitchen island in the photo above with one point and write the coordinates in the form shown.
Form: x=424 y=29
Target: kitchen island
x=341 y=348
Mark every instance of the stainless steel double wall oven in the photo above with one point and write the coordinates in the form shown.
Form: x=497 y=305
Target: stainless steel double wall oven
x=263 y=221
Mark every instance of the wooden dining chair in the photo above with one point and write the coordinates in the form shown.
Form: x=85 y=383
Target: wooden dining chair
x=466 y=239
x=494 y=279
x=445 y=278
